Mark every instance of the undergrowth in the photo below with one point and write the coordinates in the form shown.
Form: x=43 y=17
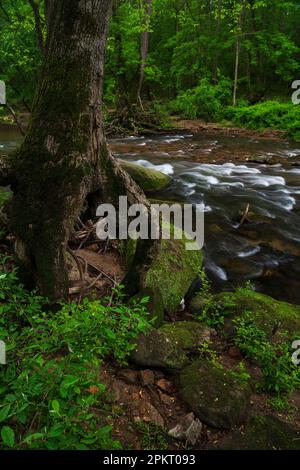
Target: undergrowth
x=51 y=395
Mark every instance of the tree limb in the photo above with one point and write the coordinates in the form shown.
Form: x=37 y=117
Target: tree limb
x=38 y=25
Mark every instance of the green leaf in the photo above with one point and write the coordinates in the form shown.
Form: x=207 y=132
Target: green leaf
x=8 y=436
x=4 y=413
x=55 y=406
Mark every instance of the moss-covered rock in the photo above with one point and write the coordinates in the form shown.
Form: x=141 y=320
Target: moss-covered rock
x=264 y=433
x=172 y=272
x=188 y=335
x=156 y=350
x=149 y=180
x=266 y=312
x=197 y=304
x=219 y=398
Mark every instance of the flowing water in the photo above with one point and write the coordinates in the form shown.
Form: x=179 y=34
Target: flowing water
x=215 y=170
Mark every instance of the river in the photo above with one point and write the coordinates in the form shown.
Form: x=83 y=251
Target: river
x=217 y=170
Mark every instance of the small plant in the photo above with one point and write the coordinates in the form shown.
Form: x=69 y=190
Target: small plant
x=241 y=373
x=212 y=312
x=205 y=351
x=280 y=403
x=153 y=437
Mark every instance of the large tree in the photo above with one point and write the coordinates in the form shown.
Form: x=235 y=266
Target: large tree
x=64 y=160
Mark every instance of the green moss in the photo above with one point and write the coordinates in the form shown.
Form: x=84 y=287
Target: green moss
x=149 y=180
x=264 y=433
x=172 y=272
x=267 y=312
x=187 y=334
x=218 y=398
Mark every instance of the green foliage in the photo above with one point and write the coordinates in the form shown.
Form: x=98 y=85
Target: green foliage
x=212 y=312
x=51 y=382
x=206 y=352
x=271 y=114
x=205 y=101
x=153 y=437
x=280 y=374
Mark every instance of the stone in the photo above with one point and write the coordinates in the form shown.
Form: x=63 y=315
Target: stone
x=165 y=385
x=172 y=271
x=188 y=335
x=217 y=397
x=147 y=377
x=267 y=313
x=189 y=429
x=197 y=304
x=154 y=349
x=129 y=376
x=148 y=179
x=264 y=433
x=169 y=276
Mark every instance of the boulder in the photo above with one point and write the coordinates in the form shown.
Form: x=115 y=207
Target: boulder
x=218 y=397
x=169 y=277
x=172 y=272
x=155 y=349
x=264 y=433
x=269 y=314
x=188 y=335
x=149 y=180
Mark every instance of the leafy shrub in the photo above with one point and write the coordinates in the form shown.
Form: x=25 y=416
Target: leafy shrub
x=271 y=114
x=280 y=374
x=51 y=381
x=206 y=101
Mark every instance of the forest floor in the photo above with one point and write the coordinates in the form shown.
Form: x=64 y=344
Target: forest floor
x=146 y=403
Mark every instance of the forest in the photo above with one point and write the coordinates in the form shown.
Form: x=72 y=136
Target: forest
x=149 y=225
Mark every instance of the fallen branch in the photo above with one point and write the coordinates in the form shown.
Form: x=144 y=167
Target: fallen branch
x=245 y=215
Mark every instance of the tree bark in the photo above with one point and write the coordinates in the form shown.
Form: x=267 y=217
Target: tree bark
x=38 y=25
x=144 y=50
x=64 y=158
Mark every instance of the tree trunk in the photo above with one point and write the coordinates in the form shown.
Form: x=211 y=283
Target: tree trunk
x=64 y=158
x=144 y=50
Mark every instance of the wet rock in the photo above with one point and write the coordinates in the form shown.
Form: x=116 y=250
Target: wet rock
x=147 y=377
x=217 y=397
x=189 y=429
x=264 y=433
x=156 y=350
x=149 y=180
x=188 y=335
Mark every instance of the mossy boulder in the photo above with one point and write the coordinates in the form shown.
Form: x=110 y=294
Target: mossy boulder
x=149 y=180
x=218 y=397
x=269 y=314
x=170 y=275
x=155 y=349
x=172 y=272
x=264 y=433
x=188 y=335
x=197 y=303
